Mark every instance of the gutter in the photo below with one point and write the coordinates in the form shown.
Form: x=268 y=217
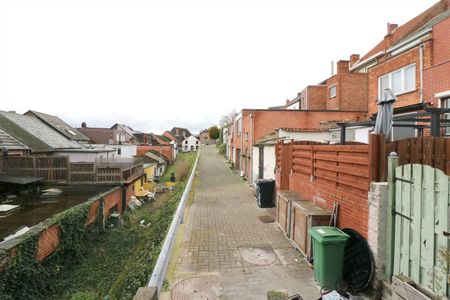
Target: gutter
x=409 y=43
x=367 y=61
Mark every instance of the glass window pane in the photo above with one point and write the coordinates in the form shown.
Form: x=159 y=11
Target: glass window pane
x=384 y=84
x=410 y=78
x=332 y=91
x=397 y=82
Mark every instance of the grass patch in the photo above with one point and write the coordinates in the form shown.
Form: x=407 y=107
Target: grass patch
x=181 y=167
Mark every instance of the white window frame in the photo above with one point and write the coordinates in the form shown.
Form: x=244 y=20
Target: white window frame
x=335 y=91
x=403 y=81
x=239 y=126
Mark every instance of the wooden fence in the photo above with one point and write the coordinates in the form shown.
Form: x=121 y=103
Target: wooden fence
x=356 y=165
x=343 y=166
x=59 y=169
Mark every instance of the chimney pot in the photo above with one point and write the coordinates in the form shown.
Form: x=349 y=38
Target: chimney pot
x=83 y=125
x=354 y=58
x=391 y=28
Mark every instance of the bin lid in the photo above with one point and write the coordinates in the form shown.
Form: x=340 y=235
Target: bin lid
x=358 y=261
x=328 y=234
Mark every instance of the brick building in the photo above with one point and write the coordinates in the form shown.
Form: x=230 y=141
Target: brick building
x=414 y=61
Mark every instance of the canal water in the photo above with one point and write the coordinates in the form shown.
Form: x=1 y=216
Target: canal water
x=34 y=209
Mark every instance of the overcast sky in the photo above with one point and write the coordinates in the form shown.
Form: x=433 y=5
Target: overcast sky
x=158 y=64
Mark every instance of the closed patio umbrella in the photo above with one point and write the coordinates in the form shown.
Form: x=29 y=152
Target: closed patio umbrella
x=383 y=123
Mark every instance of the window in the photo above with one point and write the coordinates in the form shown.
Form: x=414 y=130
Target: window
x=246 y=136
x=196 y=142
x=119 y=151
x=403 y=132
x=332 y=91
x=239 y=126
x=186 y=142
x=446 y=104
x=400 y=81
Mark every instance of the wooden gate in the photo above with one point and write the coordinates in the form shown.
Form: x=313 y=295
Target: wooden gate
x=420 y=217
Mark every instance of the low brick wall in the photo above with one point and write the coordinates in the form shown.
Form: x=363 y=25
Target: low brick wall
x=353 y=210
x=48 y=242
x=49 y=233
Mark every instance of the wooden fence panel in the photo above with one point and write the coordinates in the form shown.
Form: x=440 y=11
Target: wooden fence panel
x=431 y=151
x=338 y=165
x=82 y=172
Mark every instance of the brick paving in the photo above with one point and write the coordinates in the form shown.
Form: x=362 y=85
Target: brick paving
x=223 y=222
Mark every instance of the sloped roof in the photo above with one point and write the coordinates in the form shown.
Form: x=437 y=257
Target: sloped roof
x=34 y=133
x=59 y=125
x=156 y=156
x=98 y=135
x=10 y=143
x=178 y=131
x=409 y=27
x=437 y=19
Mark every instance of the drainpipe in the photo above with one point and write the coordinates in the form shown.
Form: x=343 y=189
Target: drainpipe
x=251 y=149
x=421 y=48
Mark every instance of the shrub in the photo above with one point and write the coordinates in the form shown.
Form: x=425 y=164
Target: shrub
x=222 y=148
x=182 y=170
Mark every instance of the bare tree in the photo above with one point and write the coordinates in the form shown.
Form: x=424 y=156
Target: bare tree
x=227 y=120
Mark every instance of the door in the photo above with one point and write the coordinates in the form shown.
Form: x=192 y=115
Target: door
x=261 y=163
x=421 y=226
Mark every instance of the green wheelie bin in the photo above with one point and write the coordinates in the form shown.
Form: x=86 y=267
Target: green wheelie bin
x=328 y=254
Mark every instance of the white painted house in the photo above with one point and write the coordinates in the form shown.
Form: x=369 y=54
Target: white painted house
x=190 y=144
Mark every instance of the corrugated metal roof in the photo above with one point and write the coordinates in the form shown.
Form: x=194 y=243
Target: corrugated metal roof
x=10 y=143
x=58 y=124
x=41 y=131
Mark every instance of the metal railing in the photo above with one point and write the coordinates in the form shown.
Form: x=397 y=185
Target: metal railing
x=159 y=271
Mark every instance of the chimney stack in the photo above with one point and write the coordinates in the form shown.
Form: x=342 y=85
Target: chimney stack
x=83 y=125
x=391 y=28
x=342 y=66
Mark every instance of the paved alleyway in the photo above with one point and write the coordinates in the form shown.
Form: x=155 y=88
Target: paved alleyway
x=222 y=227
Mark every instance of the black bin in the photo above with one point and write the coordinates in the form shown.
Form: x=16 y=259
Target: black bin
x=265 y=192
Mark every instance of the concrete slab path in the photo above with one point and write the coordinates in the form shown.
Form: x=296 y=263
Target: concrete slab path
x=222 y=225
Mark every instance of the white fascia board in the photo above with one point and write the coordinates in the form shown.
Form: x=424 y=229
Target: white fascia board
x=367 y=61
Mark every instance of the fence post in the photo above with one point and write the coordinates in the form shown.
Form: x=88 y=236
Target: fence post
x=312 y=164
x=390 y=225
x=377 y=157
x=374 y=161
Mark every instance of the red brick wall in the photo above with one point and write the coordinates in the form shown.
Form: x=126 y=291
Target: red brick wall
x=353 y=210
x=93 y=213
x=266 y=121
x=392 y=64
x=316 y=97
x=352 y=91
x=436 y=78
x=165 y=150
x=129 y=192
x=48 y=242
x=111 y=200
